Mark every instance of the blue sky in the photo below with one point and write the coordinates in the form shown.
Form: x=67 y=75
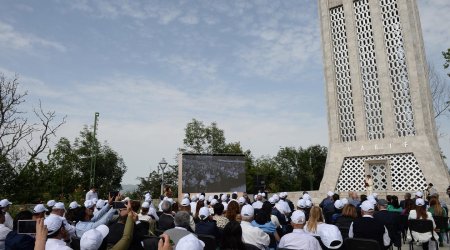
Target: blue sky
x=149 y=67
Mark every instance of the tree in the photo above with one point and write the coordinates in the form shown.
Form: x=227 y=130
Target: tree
x=152 y=183
x=446 y=55
x=203 y=139
x=21 y=141
x=440 y=92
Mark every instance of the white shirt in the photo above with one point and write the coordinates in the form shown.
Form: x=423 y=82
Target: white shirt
x=193 y=207
x=9 y=221
x=386 y=239
x=91 y=195
x=254 y=236
x=300 y=240
x=285 y=206
x=3 y=232
x=55 y=244
x=257 y=205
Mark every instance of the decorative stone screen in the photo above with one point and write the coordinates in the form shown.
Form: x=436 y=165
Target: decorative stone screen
x=369 y=75
x=405 y=173
x=342 y=71
x=404 y=119
x=379 y=177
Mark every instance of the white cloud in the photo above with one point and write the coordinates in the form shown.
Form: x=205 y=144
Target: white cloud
x=12 y=39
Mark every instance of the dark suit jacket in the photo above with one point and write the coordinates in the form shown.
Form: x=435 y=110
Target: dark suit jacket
x=165 y=222
x=391 y=220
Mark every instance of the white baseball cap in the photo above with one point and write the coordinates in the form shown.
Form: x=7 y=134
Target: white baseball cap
x=272 y=200
x=185 y=202
x=419 y=194
x=247 y=211
x=344 y=201
x=301 y=203
x=214 y=202
x=330 y=193
x=224 y=197
x=298 y=217
x=53 y=223
x=338 y=204
x=100 y=204
x=186 y=196
x=420 y=202
x=89 y=204
x=210 y=198
x=51 y=203
x=241 y=200
x=145 y=204
x=367 y=206
x=201 y=198
x=203 y=213
x=308 y=203
x=73 y=205
x=190 y=242
x=39 y=208
x=306 y=197
x=5 y=203
x=263 y=195
x=283 y=195
x=59 y=205
x=92 y=239
x=276 y=197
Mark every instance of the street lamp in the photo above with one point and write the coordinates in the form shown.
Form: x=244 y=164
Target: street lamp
x=162 y=165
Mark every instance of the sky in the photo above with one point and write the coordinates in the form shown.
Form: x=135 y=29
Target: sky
x=149 y=67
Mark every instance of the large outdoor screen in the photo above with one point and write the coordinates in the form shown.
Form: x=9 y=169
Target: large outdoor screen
x=213 y=173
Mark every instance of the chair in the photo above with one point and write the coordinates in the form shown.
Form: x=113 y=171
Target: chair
x=361 y=244
x=344 y=231
x=251 y=247
x=209 y=240
x=421 y=226
x=403 y=226
x=442 y=225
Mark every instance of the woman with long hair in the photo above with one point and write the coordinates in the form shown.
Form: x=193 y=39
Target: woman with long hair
x=232 y=237
x=394 y=205
x=436 y=210
x=420 y=213
x=409 y=205
x=329 y=234
x=200 y=204
x=348 y=215
x=232 y=211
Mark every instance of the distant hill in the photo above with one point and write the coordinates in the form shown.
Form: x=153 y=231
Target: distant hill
x=128 y=188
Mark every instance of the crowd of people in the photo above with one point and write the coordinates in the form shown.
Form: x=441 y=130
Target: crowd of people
x=225 y=220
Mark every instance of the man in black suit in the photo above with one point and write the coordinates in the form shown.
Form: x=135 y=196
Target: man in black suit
x=366 y=227
x=166 y=220
x=391 y=220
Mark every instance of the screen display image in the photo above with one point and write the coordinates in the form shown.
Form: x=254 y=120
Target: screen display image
x=213 y=173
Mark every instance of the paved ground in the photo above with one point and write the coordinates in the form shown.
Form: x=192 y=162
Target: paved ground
x=431 y=246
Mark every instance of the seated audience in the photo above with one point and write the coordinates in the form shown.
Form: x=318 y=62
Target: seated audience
x=367 y=227
x=420 y=213
x=345 y=220
x=329 y=234
x=207 y=225
x=181 y=221
x=221 y=220
x=250 y=234
x=166 y=220
x=299 y=239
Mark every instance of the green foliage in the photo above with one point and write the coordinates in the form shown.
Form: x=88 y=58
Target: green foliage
x=65 y=174
x=446 y=55
x=203 y=139
x=152 y=183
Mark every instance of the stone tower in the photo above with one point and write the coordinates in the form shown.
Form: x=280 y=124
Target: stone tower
x=380 y=114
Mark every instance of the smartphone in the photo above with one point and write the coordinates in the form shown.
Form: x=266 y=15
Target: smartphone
x=26 y=227
x=118 y=205
x=113 y=194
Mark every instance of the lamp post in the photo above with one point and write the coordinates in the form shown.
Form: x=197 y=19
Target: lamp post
x=162 y=165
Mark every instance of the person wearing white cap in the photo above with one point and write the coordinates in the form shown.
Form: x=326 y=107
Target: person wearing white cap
x=39 y=211
x=224 y=199
x=258 y=203
x=148 y=197
x=93 y=238
x=299 y=239
x=59 y=210
x=339 y=205
x=4 y=206
x=73 y=205
x=193 y=204
x=186 y=206
x=4 y=231
x=284 y=203
x=250 y=234
x=421 y=213
x=99 y=205
x=206 y=225
x=241 y=201
x=56 y=234
x=87 y=220
x=367 y=227
x=190 y=242
x=329 y=234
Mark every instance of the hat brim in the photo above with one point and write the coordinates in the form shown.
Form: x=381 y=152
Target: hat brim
x=103 y=229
